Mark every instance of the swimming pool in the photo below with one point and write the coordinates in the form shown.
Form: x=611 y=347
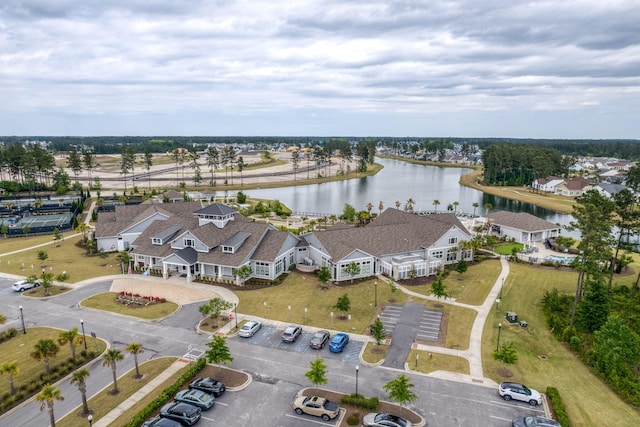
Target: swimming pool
x=560 y=259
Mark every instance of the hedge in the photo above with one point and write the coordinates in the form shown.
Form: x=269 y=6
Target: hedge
x=558 y=407
x=166 y=394
x=360 y=401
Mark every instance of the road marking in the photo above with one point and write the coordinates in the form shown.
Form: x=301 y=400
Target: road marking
x=500 y=418
x=220 y=403
x=305 y=419
x=510 y=404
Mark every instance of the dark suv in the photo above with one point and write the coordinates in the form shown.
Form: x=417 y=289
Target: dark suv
x=291 y=333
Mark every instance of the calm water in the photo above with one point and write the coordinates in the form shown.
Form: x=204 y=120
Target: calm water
x=399 y=181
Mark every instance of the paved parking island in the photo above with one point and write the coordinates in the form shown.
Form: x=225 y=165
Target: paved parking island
x=269 y=336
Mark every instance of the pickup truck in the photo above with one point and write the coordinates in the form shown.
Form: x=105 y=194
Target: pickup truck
x=318 y=406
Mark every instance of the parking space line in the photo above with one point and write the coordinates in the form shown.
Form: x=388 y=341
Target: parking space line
x=305 y=419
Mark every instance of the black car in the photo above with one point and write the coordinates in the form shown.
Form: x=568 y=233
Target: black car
x=534 y=421
x=208 y=385
x=319 y=339
x=161 y=422
x=187 y=414
x=291 y=333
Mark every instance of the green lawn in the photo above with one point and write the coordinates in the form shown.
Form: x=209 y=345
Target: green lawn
x=507 y=248
x=65 y=257
x=17 y=243
x=21 y=346
x=104 y=402
x=588 y=400
x=106 y=302
x=303 y=291
x=437 y=362
x=458 y=326
x=374 y=353
x=471 y=287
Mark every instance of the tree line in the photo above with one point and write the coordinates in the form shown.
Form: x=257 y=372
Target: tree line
x=507 y=164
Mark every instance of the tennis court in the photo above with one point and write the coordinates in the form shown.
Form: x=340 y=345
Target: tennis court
x=45 y=221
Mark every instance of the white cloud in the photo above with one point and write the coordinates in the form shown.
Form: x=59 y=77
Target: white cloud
x=320 y=67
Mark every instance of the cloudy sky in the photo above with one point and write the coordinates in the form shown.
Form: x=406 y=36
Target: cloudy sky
x=539 y=69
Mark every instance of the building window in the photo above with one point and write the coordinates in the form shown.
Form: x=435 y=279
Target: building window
x=365 y=268
x=262 y=269
x=279 y=266
x=452 y=254
x=156 y=241
x=227 y=249
x=453 y=240
x=189 y=243
x=437 y=254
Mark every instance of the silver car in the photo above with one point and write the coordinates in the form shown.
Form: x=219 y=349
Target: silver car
x=250 y=328
x=384 y=420
x=23 y=285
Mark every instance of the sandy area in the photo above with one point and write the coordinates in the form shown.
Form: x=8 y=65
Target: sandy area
x=175 y=292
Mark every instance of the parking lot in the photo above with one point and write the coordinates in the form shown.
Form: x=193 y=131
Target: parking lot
x=269 y=336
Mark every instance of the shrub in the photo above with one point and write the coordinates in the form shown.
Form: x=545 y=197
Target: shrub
x=558 y=406
x=360 y=401
x=507 y=353
x=354 y=419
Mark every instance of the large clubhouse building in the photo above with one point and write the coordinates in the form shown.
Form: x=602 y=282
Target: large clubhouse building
x=215 y=241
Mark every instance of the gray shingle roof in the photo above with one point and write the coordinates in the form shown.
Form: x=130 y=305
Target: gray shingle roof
x=167 y=232
x=521 y=221
x=237 y=239
x=216 y=209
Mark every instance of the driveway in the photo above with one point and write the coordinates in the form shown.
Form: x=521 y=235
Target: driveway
x=174 y=289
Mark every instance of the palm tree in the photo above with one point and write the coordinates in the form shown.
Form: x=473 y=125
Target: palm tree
x=398 y=204
x=44 y=350
x=47 y=396
x=475 y=206
x=79 y=377
x=369 y=207
x=488 y=207
x=435 y=205
x=11 y=369
x=380 y=206
x=110 y=358
x=72 y=338
x=125 y=259
x=135 y=348
x=409 y=205
x=83 y=228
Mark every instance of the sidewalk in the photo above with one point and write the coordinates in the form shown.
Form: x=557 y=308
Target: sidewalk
x=140 y=394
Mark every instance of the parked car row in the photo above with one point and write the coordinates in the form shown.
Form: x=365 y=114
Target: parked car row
x=187 y=406
x=291 y=334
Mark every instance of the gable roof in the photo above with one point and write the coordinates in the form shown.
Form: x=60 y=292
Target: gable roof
x=393 y=232
x=521 y=221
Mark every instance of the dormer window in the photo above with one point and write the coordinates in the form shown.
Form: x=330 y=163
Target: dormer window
x=156 y=241
x=189 y=243
x=227 y=249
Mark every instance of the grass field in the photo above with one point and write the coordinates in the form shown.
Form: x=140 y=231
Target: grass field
x=17 y=243
x=20 y=348
x=471 y=287
x=374 y=353
x=588 y=400
x=303 y=291
x=64 y=257
x=437 y=362
x=106 y=302
x=102 y=403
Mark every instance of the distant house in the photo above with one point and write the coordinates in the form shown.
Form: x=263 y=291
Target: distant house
x=173 y=196
x=522 y=227
x=608 y=189
x=548 y=184
x=572 y=187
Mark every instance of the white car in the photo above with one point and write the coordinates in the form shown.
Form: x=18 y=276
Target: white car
x=250 y=328
x=516 y=391
x=23 y=285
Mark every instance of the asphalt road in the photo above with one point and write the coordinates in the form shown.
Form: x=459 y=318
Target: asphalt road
x=277 y=370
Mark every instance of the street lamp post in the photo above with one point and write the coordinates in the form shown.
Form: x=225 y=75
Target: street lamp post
x=375 y=293
x=235 y=312
x=499 y=329
x=357 y=370
x=24 y=330
x=84 y=337
x=289 y=307
x=90 y=419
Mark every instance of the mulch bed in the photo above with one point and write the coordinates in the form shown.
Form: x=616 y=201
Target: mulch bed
x=230 y=377
x=386 y=407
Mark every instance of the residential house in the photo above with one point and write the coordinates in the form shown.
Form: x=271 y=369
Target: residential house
x=522 y=227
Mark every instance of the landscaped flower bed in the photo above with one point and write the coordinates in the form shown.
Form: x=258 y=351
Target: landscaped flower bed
x=136 y=300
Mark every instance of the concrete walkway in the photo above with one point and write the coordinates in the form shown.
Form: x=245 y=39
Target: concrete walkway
x=473 y=354
x=140 y=394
